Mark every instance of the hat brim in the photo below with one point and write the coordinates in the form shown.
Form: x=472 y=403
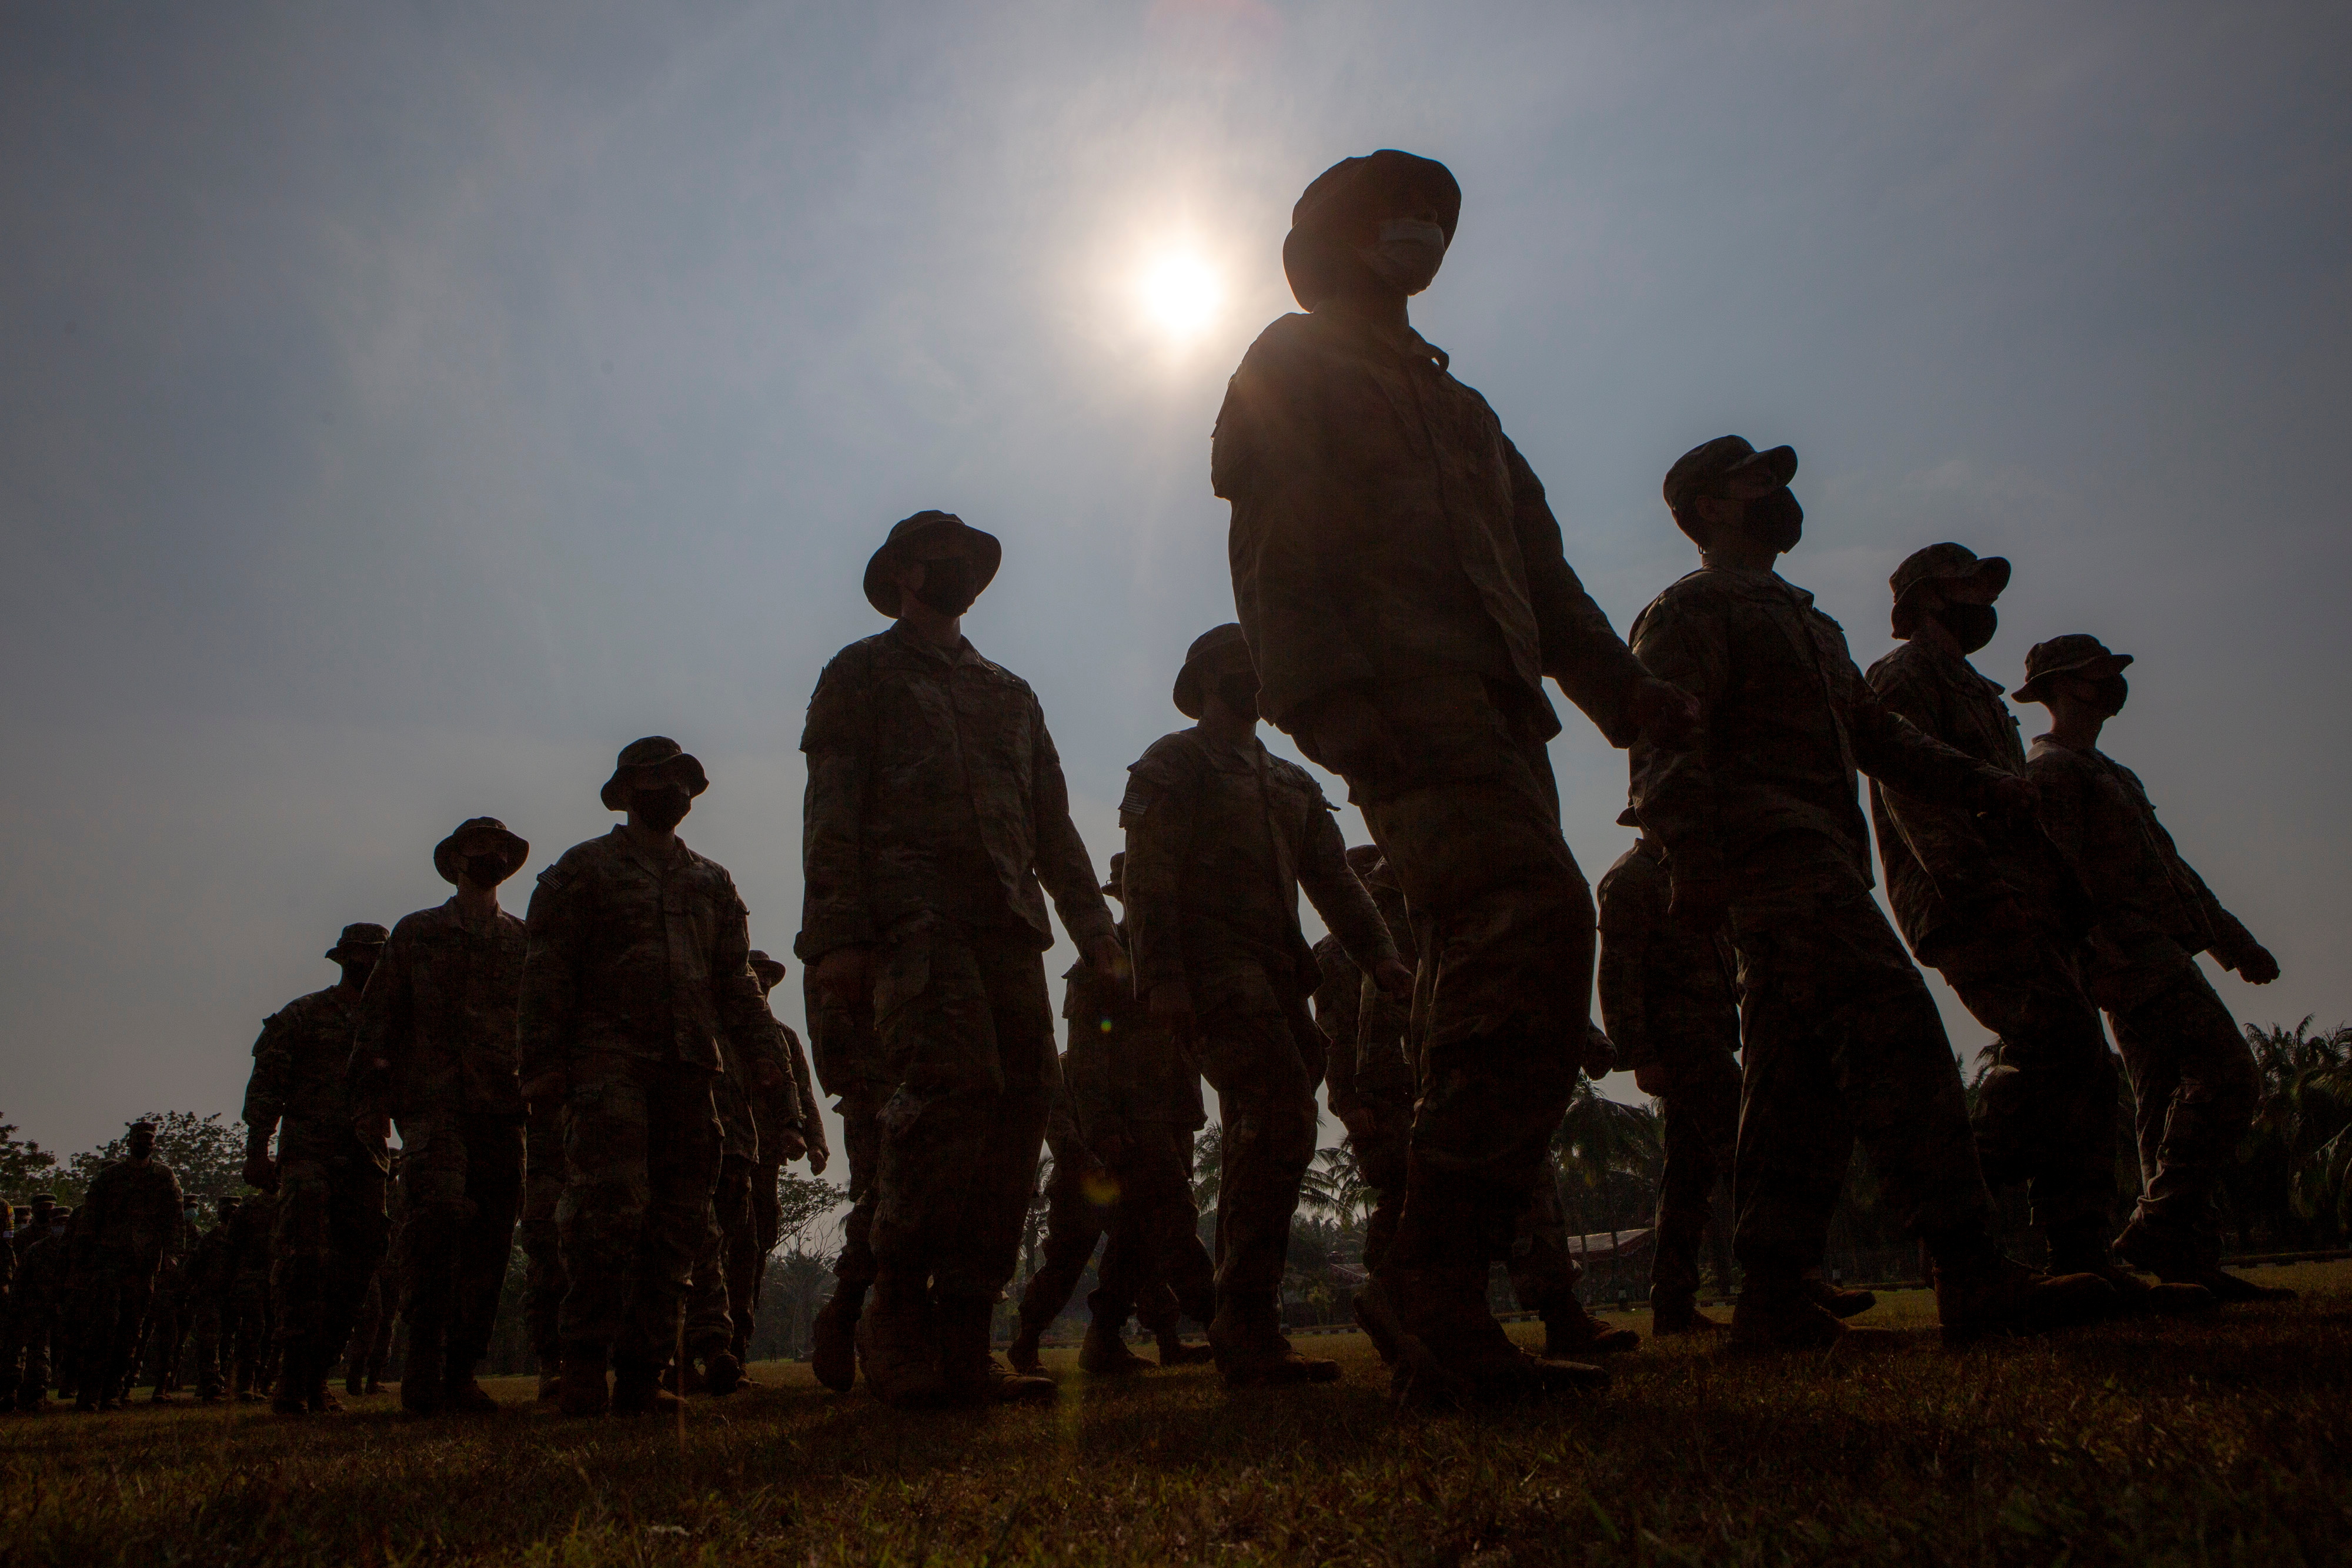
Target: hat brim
x=1992 y=571
x=685 y=763
x=1759 y=472
x=1626 y=819
x=2098 y=667
x=770 y=973
x=1192 y=694
x=340 y=949
x=985 y=551
x=513 y=849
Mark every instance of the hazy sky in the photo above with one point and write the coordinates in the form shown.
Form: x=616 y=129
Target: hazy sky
x=406 y=406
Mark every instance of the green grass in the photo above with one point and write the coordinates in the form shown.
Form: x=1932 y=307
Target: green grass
x=2222 y=1442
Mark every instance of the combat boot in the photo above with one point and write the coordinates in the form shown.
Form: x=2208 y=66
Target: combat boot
x=1777 y=1313
x=1836 y=1300
x=551 y=1388
x=2082 y=1250
x=896 y=1347
x=969 y=1371
x=1104 y=1352
x=355 y=1382
x=461 y=1394
x=322 y=1399
x=1980 y=1290
x=421 y=1389
x=722 y=1374
x=1175 y=1352
x=2177 y=1261
x=582 y=1392
x=1677 y=1314
x=292 y=1395
x=636 y=1387
x=1246 y=1338
x=1452 y=1352
x=833 y=1352
x=1572 y=1334
x=1022 y=1352
x=1375 y=1314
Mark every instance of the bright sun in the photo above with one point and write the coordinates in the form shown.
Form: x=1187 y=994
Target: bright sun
x=1181 y=294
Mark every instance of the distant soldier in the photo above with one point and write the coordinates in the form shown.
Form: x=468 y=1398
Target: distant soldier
x=166 y=1333
x=1077 y=1211
x=850 y=1066
x=785 y=1117
x=1368 y=1072
x=211 y=1274
x=936 y=807
x=1544 y=1269
x=2193 y=1073
x=130 y=1216
x=1401 y=579
x=37 y=1299
x=379 y=1314
x=328 y=1180
x=252 y=1327
x=435 y=1049
x=640 y=962
x=1761 y=828
x=1221 y=837
x=1672 y=1007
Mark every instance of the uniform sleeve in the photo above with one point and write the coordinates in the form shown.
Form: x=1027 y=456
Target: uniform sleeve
x=1581 y=650
x=1060 y=1119
x=1331 y=887
x=737 y=1001
x=1893 y=750
x=380 y=1033
x=804 y=1088
x=554 y=950
x=1157 y=813
x=266 y=1091
x=839 y=745
x=1339 y=1011
x=1944 y=839
x=1269 y=458
x=1675 y=793
x=1630 y=912
x=2233 y=942
x=1064 y=866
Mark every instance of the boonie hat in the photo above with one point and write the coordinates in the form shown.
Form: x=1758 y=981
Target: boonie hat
x=364 y=934
x=1212 y=652
x=489 y=831
x=984 y=550
x=2076 y=653
x=654 y=754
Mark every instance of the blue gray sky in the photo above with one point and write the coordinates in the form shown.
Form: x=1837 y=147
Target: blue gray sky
x=409 y=404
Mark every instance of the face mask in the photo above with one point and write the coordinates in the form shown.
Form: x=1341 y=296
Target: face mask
x=1776 y=519
x=1972 y=624
x=947 y=585
x=486 y=871
x=2114 y=692
x=1239 y=693
x=661 y=810
x=1406 y=256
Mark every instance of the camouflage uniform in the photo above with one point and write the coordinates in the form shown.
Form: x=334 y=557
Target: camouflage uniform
x=2192 y=1074
x=130 y=1217
x=1990 y=906
x=537 y=1234
x=210 y=1274
x=1390 y=542
x=1078 y=1203
x=166 y=1331
x=788 y=1105
x=1220 y=841
x=850 y=1066
x=637 y=964
x=1843 y=1038
x=935 y=806
x=1369 y=1067
x=330 y=1227
x=721 y=1304
x=379 y=1314
x=38 y=1300
x=252 y=1328
x=1669 y=998
x=440 y=1011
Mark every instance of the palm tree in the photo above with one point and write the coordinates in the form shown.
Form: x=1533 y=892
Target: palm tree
x=1208 y=1164
x=2294 y=1176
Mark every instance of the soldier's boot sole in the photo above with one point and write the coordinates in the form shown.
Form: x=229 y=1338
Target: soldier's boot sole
x=550 y=1388
x=1680 y=1315
x=462 y=1395
x=833 y=1350
x=1767 y=1321
x=1837 y=1300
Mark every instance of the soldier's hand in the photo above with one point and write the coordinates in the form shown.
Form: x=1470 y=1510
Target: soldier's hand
x=818 y=1159
x=1345 y=732
x=1106 y=957
x=1394 y=980
x=1171 y=1010
x=2258 y=967
x=1362 y=1121
x=846 y=975
x=261 y=1171
x=1653 y=1078
x=1599 y=1055
x=549 y=1087
x=1700 y=903
x=1666 y=715
x=793 y=1145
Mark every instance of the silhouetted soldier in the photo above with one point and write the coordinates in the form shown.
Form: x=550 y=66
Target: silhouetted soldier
x=330 y=1227
x=1401 y=580
x=436 y=1049
x=935 y=806
x=212 y=1271
x=639 y=960
x=166 y=1330
x=252 y=1328
x=1078 y=1202
x=373 y=1325
x=2193 y=1073
x=1761 y=826
x=785 y=1118
x=40 y=1297
x=130 y=1216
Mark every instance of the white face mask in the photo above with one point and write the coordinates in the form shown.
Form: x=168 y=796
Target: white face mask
x=1407 y=253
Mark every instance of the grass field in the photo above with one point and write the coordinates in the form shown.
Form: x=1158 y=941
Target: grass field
x=2221 y=1443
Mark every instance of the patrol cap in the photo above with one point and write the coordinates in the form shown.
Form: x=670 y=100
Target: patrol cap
x=1942 y=563
x=146 y=1127
x=480 y=836
x=1213 y=652
x=654 y=754
x=2076 y=653
x=1115 y=882
x=984 y=550
x=770 y=970
x=1728 y=466
x=1317 y=252
x=364 y=934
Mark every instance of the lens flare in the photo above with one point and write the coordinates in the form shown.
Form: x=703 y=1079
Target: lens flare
x=1181 y=294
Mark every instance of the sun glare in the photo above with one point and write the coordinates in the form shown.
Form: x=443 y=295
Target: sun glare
x=1181 y=294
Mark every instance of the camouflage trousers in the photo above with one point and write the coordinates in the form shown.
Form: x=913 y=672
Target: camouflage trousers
x=641 y=1156
x=1700 y=1113
x=1544 y=1272
x=251 y=1331
x=166 y=1337
x=1153 y=1266
x=711 y=1310
x=206 y=1344
x=1380 y=1159
x=1254 y=1051
x=1844 y=1043
x=461 y=1174
x=329 y=1236
x=849 y=1063
x=1503 y=920
x=1077 y=1212
x=2194 y=1088
x=748 y=1251
x=542 y=1246
x=2046 y=1105
x=967 y=1031
x=25 y=1355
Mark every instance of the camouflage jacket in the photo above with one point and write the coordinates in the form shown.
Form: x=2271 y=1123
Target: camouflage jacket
x=301 y=1073
x=934 y=790
x=133 y=1206
x=791 y=1105
x=1385 y=530
x=1663 y=992
x=2149 y=904
x=842 y=1048
x=1219 y=845
x=1123 y=1070
x=39 y=1289
x=250 y=1239
x=213 y=1266
x=1768 y=797
x=440 y=1011
x=1946 y=867
x=636 y=956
